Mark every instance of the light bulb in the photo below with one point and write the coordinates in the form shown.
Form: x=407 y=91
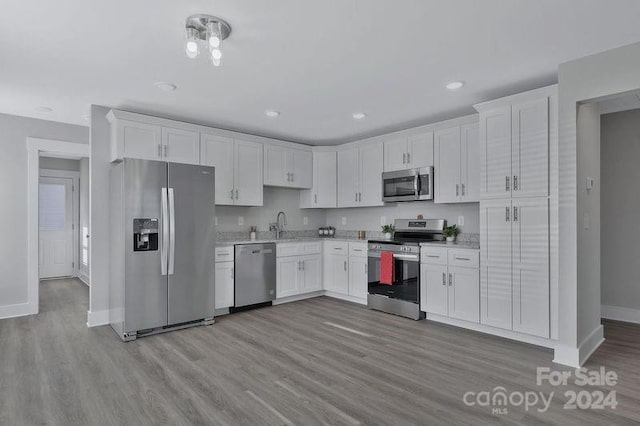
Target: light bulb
x=215 y=62
x=192 y=47
x=216 y=54
x=214 y=41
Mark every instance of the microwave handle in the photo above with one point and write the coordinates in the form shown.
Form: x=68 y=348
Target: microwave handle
x=416 y=185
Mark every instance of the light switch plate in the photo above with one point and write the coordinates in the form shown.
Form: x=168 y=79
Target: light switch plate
x=383 y=220
x=460 y=220
x=305 y=221
x=344 y=220
x=240 y=220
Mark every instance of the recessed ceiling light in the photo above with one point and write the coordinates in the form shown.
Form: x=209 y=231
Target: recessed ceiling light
x=43 y=108
x=167 y=87
x=271 y=113
x=455 y=85
x=358 y=115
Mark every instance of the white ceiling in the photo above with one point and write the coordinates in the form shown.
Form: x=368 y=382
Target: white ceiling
x=316 y=62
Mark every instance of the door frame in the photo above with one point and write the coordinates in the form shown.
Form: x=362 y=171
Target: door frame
x=75 y=213
x=35 y=148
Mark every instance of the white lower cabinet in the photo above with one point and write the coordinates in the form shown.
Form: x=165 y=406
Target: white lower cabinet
x=450 y=290
x=358 y=277
x=336 y=273
x=346 y=269
x=224 y=278
x=298 y=269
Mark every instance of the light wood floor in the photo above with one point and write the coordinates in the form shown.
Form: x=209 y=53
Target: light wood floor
x=319 y=361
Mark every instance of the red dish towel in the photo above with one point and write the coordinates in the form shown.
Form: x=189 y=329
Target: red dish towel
x=387 y=268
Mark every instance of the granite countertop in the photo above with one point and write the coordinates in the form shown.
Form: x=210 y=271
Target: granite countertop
x=287 y=240
x=473 y=245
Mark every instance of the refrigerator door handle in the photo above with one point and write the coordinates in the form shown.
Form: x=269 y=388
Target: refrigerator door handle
x=164 y=244
x=172 y=231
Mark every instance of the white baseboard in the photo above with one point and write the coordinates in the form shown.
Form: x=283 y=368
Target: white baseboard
x=84 y=278
x=345 y=297
x=508 y=334
x=17 y=310
x=297 y=297
x=620 y=313
x=97 y=318
x=576 y=357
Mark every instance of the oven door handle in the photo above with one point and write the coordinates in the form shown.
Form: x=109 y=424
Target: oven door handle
x=409 y=257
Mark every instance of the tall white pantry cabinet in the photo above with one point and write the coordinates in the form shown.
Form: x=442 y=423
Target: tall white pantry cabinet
x=517 y=135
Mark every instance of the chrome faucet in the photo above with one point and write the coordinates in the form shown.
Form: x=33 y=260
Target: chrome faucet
x=278 y=227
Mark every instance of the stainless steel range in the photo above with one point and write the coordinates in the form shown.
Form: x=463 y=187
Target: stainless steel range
x=402 y=296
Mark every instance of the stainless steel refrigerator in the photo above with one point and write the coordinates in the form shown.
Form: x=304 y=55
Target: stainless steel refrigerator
x=162 y=247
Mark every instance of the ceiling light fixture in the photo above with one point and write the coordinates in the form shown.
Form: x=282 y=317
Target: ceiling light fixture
x=454 y=85
x=206 y=29
x=358 y=115
x=271 y=113
x=43 y=108
x=167 y=87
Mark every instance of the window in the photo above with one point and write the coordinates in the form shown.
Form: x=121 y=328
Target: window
x=52 y=200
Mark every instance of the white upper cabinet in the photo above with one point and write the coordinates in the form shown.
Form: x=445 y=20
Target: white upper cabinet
x=218 y=151
x=134 y=140
x=248 y=173
x=530 y=148
x=180 y=146
x=456 y=166
x=360 y=176
x=408 y=152
x=514 y=146
x=287 y=167
x=348 y=178
x=238 y=169
x=323 y=192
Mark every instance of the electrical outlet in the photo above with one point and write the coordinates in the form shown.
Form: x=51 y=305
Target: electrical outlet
x=344 y=220
x=383 y=220
x=305 y=221
x=460 y=220
x=240 y=220
x=216 y=220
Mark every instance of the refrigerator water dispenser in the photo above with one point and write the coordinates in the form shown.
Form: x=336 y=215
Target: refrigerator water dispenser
x=145 y=234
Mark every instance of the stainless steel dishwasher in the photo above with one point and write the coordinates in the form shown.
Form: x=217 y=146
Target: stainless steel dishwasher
x=255 y=274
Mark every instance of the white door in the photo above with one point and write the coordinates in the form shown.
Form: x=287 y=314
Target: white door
x=181 y=146
x=55 y=202
x=447 y=166
x=470 y=163
x=358 y=277
x=139 y=140
x=224 y=294
x=217 y=151
x=395 y=154
x=336 y=273
x=312 y=268
x=348 y=175
x=531 y=266
x=464 y=293
x=288 y=275
x=433 y=289
x=530 y=148
x=370 y=182
x=276 y=166
x=495 y=153
x=248 y=173
x=420 y=150
x=301 y=168
x=495 y=263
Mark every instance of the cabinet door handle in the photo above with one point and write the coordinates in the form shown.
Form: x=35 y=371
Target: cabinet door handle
x=506 y=218
x=450 y=280
x=462 y=189
x=165 y=151
x=515 y=214
x=360 y=196
x=506 y=183
x=302 y=263
x=444 y=278
x=408 y=158
x=159 y=151
x=315 y=198
x=463 y=258
x=292 y=177
x=236 y=194
x=404 y=158
x=457 y=190
x=515 y=183
x=345 y=265
x=232 y=193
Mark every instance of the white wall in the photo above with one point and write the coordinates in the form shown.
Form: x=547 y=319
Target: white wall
x=368 y=218
x=13 y=184
x=275 y=200
x=610 y=72
x=59 y=164
x=620 y=209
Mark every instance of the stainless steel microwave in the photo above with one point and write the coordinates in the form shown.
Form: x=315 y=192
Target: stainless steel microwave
x=408 y=185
